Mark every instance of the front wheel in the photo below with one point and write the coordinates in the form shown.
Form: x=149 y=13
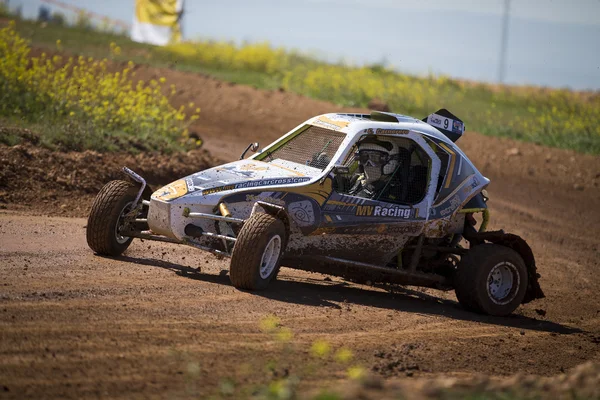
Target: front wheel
x=491 y=279
x=107 y=217
x=257 y=252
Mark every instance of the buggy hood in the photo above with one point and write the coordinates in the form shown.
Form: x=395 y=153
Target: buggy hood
x=240 y=174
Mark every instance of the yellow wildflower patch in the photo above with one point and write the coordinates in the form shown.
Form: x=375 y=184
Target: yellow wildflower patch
x=356 y=372
x=87 y=105
x=320 y=348
x=270 y=323
x=343 y=355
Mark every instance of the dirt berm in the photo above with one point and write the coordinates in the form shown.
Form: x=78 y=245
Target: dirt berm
x=164 y=322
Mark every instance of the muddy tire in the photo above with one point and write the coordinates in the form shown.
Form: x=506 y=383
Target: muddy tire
x=491 y=279
x=257 y=252
x=106 y=216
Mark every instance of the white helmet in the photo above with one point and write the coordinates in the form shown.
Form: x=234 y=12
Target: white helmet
x=377 y=157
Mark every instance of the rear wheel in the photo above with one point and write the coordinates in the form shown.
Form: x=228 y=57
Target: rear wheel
x=257 y=252
x=491 y=279
x=106 y=218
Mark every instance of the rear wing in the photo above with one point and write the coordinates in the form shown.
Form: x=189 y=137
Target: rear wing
x=447 y=123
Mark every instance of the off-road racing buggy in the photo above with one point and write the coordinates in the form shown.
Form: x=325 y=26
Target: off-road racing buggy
x=380 y=198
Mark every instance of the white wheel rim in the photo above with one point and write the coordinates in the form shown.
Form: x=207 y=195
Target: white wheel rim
x=503 y=283
x=270 y=257
x=120 y=238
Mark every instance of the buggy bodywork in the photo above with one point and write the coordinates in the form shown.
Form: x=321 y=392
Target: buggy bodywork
x=409 y=233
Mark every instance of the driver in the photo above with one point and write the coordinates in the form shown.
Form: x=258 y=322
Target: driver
x=377 y=160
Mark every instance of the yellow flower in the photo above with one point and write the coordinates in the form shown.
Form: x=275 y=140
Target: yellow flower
x=285 y=335
x=320 y=348
x=343 y=355
x=269 y=323
x=356 y=372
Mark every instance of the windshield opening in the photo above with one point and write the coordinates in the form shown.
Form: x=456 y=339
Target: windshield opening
x=313 y=146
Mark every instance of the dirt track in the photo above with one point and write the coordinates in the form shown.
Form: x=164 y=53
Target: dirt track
x=163 y=321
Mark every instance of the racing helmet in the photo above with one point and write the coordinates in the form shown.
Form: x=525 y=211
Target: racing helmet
x=377 y=157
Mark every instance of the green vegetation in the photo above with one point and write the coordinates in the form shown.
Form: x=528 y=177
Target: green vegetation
x=553 y=117
x=77 y=104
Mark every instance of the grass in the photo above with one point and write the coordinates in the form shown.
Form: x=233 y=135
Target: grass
x=553 y=117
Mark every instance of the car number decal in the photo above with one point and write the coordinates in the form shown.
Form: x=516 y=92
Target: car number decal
x=445 y=123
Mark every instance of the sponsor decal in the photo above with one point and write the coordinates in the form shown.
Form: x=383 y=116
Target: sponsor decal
x=454 y=203
x=189 y=182
x=364 y=210
x=457 y=126
x=469 y=188
x=218 y=189
x=302 y=212
x=435 y=120
x=445 y=123
x=251 y=184
x=379 y=211
x=253 y=167
x=391 y=212
x=341 y=203
x=234 y=170
x=330 y=123
x=392 y=131
x=172 y=191
x=269 y=182
x=402 y=229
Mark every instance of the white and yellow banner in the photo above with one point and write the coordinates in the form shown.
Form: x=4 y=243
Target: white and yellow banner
x=157 y=22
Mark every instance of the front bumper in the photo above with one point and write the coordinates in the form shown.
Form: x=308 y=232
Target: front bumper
x=182 y=221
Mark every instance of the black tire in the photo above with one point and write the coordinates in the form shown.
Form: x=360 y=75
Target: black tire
x=491 y=279
x=258 y=232
x=110 y=204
